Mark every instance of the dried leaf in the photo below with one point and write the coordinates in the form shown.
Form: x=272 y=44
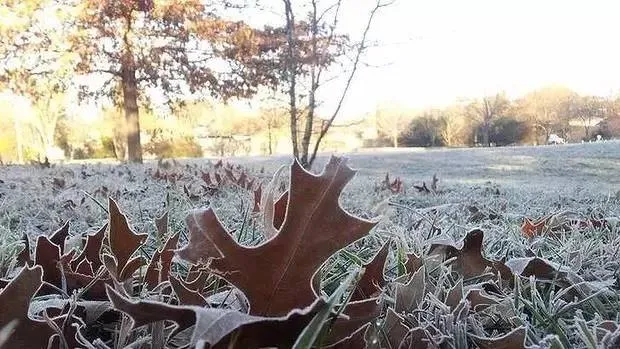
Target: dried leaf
x=91 y=250
x=373 y=280
x=538 y=267
x=469 y=261
x=59 y=236
x=531 y=228
x=123 y=241
x=15 y=299
x=47 y=255
x=394 y=329
x=161 y=224
x=185 y=295
x=358 y=315
x=512 y=340
x=23 y=258
x=158 y=269
x=277 y=275
x=410 y=295
x=219 y=328
x=413 y=263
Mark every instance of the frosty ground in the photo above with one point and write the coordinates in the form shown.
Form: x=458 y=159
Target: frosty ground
x=535 y=180
x=493 y=189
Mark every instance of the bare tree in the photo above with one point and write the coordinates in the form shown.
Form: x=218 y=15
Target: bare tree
x=392 y=123
x=485 y=110
x=312 y=48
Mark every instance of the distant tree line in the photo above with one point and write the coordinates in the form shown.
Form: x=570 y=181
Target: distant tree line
x=498 y=120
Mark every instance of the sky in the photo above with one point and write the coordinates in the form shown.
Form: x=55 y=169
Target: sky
x=434 y=52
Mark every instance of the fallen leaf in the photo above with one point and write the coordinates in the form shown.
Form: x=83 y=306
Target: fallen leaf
x=15 y=299
x=408 y=296
x=515 y=339
x=23 y=258
x=123 y=241
x=534 y=266
x=394 y=329
x=358 y=314
x=47 y=255
x=158 y=269
x=373 y=280
x=91 y=250
x=469 y=261
x=220 y=328
x=185 y=295
x=531 y=228
x=277 y=275
x=59 y=236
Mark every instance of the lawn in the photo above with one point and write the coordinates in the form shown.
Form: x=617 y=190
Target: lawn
x=547 y=275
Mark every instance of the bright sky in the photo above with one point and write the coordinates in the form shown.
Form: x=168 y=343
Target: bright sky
x=437 y=51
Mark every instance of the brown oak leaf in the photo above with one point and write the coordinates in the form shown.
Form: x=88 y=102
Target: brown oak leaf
x=15 y=300
x=373 y=280
x=410 y=295
x=469 y=260
x=220 y=328
x=91 y=250
x=158 y=269
x=277 y=275
x=123 y=243
x=358 y=314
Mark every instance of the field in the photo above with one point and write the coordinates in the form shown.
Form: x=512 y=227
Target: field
x=548 y=215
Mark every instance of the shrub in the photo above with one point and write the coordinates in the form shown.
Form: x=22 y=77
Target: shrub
x=424 y=131
x=507 y=130
x=174 y=148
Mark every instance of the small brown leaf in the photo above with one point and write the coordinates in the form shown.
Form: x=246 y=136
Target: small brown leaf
x=161 y=224
x=219 y=328
x=469 y=261
x=512 y=340
x=158 y=269
x=59 y=236
x=47 y=255
x=359 y=314
x=15 y=300
x=394 y=329
x=409 y=296
x=373 y=280
x=23 y=258
x=413 y=263
x=538 y=267
x=185 y=295
x=123 y=241
x=91 y=250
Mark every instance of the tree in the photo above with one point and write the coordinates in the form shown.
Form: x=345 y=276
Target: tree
x=273 y=118
x=392 y=123
x=452 y=125
x=485 y=110
x=589 y=111
x=312 y=47
x=545 y=110
x=126 y=47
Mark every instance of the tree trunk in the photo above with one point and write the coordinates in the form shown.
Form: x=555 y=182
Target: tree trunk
x=132 y=116
x=485 y=135
x=269 y=138
x=395 y=140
